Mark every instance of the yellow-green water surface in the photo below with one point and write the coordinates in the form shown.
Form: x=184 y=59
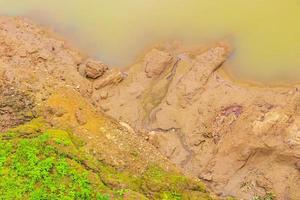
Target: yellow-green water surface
x=265 y=33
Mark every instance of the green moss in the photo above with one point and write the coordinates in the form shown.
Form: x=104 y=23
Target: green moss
x=60 y=137
x=33 y=127
x=155 y=178
x=169 y=185
x=119 y=179
x=35 y=168
x=41 y=163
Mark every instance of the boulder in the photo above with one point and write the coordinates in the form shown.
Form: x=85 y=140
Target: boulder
x=156 y=62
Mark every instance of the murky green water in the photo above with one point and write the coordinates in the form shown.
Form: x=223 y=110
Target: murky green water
x=265 y=33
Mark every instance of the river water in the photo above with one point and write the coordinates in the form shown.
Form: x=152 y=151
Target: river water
x=265 y=33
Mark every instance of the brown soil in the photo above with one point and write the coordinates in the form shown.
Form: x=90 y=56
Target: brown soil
x=241 y=140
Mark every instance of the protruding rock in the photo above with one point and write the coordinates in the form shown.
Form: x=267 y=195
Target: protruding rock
x=112 y=77
x=156 y=62
x=206 y=63
x=104 y=108
x=93 y=69
x=268 y=121
x=206 y=176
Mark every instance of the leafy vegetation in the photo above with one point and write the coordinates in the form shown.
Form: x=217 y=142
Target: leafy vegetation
x=34 y=169
x=41 y=163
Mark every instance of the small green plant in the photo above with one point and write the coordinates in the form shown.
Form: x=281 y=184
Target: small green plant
x=268 y=196
x=121 y=192
x=102 y=197
x=171 y=196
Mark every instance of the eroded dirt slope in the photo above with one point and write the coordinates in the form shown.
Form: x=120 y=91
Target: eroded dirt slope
x=45 y=80
x=241 y=140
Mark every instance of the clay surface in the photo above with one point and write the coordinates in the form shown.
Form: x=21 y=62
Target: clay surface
x=241 y=140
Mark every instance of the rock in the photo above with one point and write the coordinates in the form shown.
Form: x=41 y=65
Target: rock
x=111 y=77
x=156 y=62
x=206 y=176
x=195 y=79
x=104 y=95
x=81 y=70
x=104 y=108
x=297 y=165
x=127 y=126
x=16 y=107
x=55 y=111
x=94 y=69
x=293 y=134
x=269 y=120
x=81 y=119
x=263 y=182
x=59 y=113
x=43 y=54
x=170 y=145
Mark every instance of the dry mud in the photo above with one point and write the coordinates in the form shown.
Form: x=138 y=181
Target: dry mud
x=241 y=140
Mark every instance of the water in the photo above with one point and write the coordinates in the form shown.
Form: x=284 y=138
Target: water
x=265 y=33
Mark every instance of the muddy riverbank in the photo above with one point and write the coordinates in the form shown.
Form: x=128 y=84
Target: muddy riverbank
x=174 y=105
